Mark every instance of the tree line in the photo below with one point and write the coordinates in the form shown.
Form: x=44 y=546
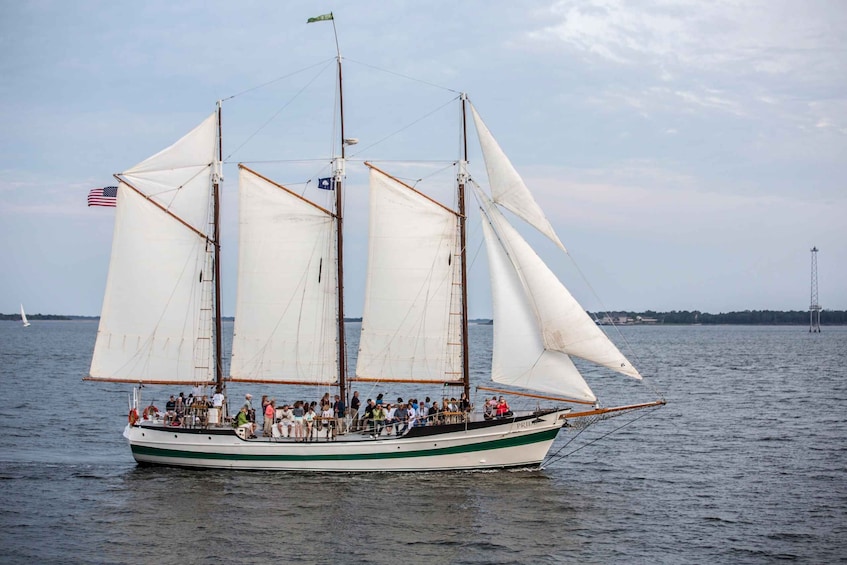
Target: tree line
x=746 y=317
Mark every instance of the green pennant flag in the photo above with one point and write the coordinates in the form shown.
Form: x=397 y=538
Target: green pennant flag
x=322 y=18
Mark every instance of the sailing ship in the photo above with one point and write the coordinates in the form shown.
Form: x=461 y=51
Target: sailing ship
x=165 y=328
x=23 y=317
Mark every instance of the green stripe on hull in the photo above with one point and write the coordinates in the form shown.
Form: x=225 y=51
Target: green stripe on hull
x=495 y=444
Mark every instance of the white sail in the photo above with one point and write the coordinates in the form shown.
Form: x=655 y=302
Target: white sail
x=286 y=304
x=155 y=322
x=23 y=317
x=177 y=178
x=520 y=358
x=507 y=186
x=563 y=324
x=410 y=324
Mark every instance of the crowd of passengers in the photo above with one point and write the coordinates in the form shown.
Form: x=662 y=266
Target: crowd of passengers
x=329 y=417
x=304 y=420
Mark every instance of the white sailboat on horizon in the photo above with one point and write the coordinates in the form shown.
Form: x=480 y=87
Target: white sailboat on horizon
x=23 y=317
x=289 y=322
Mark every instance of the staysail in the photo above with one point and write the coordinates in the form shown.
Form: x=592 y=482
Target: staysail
x=285 y=317
x=410 y=325
x=561 y=324
x=156 y=323
x=507 y=187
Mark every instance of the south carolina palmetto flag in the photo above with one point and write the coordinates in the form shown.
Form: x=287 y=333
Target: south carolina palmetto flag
x=322 y=18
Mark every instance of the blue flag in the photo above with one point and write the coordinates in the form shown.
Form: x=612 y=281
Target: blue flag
x=325 y=183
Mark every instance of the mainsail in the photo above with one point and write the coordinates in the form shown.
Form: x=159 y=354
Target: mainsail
x=507 y=187
x=286 y=305
x=410 y=326
x=156 y=324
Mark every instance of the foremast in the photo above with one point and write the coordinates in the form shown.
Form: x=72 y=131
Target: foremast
x=217 y=179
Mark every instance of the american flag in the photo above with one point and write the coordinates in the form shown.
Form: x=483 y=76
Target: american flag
x=106 y=196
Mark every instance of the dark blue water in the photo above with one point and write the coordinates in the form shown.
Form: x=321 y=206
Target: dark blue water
x=746 y=464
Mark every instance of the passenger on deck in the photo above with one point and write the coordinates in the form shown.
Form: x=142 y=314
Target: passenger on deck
x=490 y=408
x=378 y=420
x=355 y=404
x=170 y=410
x=298 y=412
x=401 y=416
x=309 y=423
x=270 y=411
x=286 y=422
x=248 y=403
x=423 y=412
x=328 y=421
x=434 y=415
x=339 y=410
x=368 y=417
x=503 y=410
x=464 y=403
x=242 y=422
x=389 y=418
x=412 y=411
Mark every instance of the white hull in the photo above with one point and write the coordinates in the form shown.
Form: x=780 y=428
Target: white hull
x=521 y=442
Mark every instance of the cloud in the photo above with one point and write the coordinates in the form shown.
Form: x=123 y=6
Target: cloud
x=723 y=56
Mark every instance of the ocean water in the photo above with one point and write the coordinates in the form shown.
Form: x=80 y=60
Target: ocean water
x=746 y=464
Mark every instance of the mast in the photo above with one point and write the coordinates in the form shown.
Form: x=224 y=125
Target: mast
x=338 y=174
x=463 y=177
x=216 y=180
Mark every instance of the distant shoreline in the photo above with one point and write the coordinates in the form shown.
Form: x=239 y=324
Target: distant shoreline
x=619 y=318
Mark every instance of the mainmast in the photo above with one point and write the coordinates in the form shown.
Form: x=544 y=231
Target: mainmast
x=463 y=179
x=216 y=184
x=338 y=174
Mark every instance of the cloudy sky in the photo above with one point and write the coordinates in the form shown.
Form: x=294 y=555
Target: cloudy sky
x=689 y=154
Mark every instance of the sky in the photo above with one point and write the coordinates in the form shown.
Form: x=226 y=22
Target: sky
x=688 y=154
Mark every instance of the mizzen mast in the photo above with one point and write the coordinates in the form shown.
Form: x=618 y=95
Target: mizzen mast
x=463 y=179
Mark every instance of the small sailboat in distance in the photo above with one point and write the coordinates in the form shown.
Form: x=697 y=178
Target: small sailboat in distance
x=23 y=317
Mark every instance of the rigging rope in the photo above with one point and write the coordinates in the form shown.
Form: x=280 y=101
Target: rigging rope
x=589 y=421
x=278 y=112
x=405 y=127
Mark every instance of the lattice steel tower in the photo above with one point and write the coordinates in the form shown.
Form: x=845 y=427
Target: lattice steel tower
x=814 y=307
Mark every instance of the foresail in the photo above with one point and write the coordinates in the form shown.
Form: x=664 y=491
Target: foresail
x=520 y=358
x=507 y=186
x=155 y=325
x=411 y=324
x=286 y=304
x=563 y=324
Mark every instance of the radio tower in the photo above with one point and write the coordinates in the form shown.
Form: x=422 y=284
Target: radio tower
x=814 y=307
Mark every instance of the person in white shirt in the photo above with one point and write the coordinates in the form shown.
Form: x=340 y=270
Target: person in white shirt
x=286 y=422
x=328 y=421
